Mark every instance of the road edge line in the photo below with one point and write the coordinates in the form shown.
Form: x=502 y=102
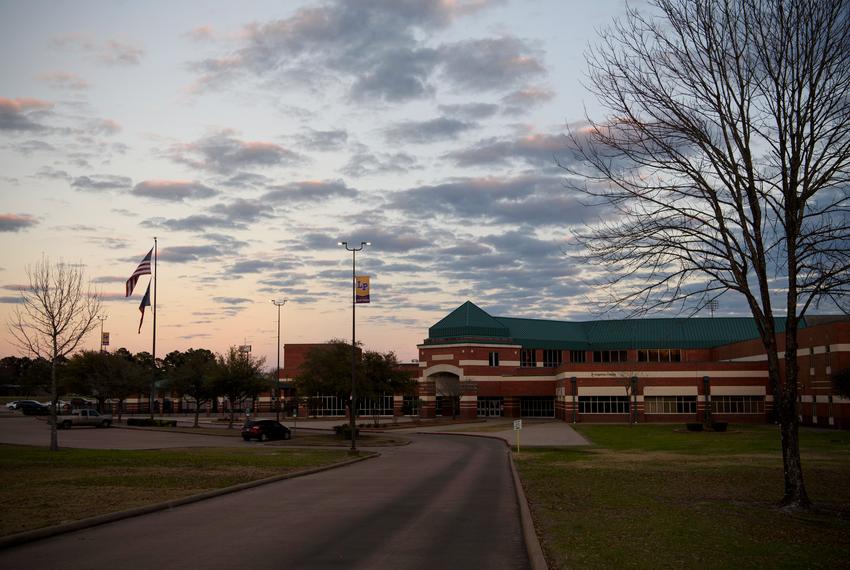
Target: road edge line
x=82 y=524
x=529 y=534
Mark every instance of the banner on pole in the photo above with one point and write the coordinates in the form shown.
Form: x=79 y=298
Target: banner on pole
x=361 y=290
x=104 y=339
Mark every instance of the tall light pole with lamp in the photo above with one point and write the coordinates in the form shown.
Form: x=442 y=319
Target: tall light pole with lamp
x=352 y=409
x=102 y=318
x=276 y=391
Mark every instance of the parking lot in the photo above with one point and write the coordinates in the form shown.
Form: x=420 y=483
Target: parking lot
x=29 y=430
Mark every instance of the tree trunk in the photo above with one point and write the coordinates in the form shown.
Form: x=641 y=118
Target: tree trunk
x=795 y=496
x=54 y=438
x=197 y=412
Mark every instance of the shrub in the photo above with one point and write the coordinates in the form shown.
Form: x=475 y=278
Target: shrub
x=719 y=426
x=147 y=422
x=694 y=426
x=344 y=431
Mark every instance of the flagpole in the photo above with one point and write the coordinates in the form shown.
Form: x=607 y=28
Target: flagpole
x=153 y=379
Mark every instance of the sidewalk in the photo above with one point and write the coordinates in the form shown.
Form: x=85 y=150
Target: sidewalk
x=534 y=433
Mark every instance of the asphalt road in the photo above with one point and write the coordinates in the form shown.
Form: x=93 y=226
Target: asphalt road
x=443 y=501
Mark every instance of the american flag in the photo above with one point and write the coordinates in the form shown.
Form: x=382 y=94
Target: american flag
x=146 y=302
x=144 y=268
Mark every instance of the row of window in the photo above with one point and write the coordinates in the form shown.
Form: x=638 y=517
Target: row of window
x=554 y=358
x=671 y=404
x=333 y=406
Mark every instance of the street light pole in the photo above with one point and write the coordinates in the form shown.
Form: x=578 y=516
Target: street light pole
x=276 y=390
x=102 y=318
x=352 y=408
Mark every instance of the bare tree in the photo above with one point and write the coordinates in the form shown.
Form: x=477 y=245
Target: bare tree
x=57 y=309
x=724 y=165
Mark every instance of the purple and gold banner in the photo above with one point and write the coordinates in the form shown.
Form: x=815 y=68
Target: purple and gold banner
x=361 y=289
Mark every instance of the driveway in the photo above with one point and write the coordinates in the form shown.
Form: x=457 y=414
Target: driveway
x=441 y=502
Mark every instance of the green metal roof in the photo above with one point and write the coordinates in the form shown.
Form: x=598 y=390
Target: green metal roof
x=470 y=321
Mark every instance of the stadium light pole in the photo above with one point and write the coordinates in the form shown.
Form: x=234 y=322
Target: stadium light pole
x=352 y=408
x=276 y=390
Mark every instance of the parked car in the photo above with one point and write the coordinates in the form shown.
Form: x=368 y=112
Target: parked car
x=16 y=405
x=83 y=418
x=265 y=430
x=33 y=408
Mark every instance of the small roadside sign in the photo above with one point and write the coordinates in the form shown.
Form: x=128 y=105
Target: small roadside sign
x=517 y=425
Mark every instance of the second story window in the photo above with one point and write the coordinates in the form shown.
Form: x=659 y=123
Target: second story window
x=494 y=358
x=660 y=355
x=552 y=358
x=610 y=355
x=528 y=358
x=578 y=356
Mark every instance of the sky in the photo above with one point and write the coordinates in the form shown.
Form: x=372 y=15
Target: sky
x=250 y=137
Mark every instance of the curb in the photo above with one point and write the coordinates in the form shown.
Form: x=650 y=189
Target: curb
x=50 y=531
x=529 y=535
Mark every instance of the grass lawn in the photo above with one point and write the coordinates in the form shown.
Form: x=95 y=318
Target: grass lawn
x=649 y=496
x=40 y=488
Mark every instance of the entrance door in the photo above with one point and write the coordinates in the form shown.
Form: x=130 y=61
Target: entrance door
x=489 y=407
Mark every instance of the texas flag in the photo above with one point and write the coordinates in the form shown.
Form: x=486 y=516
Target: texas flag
x=146 y=302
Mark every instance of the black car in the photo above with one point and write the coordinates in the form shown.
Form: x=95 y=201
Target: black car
x=265 y=430
x=30 y=408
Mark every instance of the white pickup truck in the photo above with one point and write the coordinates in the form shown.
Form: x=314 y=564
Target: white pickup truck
x=83 y=418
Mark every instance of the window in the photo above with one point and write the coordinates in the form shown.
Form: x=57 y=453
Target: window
x=377 y=406
x=670 y=404
x=528 y=358
x=494 y=358
x=603 y=404
x=552 y=358
x=660 y=355
x=537 y=407
x=326 y=406
x=737 y=404
x=410 y=406
x=578 y=356
x=610 y=355
x=828 y=358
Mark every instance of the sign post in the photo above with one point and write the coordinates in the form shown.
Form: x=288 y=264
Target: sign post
x=517 y=428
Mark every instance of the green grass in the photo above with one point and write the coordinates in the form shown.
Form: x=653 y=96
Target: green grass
x=41 y=488
x=649 y=496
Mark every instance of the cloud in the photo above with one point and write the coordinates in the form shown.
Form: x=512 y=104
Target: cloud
x=234 y=215
x=101 y=183
x=251 y=266
x=172 y=190
x=16 y=222
x=9 y=300
x=28 y=148
x=323 y=141
x=522 y=100
x=368 y=163
x=190 y=253
x=490 y=64
x=309 y=191
x=537 y=150
x=110 y=279
x=432 y=130
x=379 y=48
x=223 y=153
x=110 y=52
x=232 y=300
x=64 y=80
x=103 y=127
x=202 y=34
x=17 y=114
x=52 y=173
x=526 y=199
x=470 y=111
